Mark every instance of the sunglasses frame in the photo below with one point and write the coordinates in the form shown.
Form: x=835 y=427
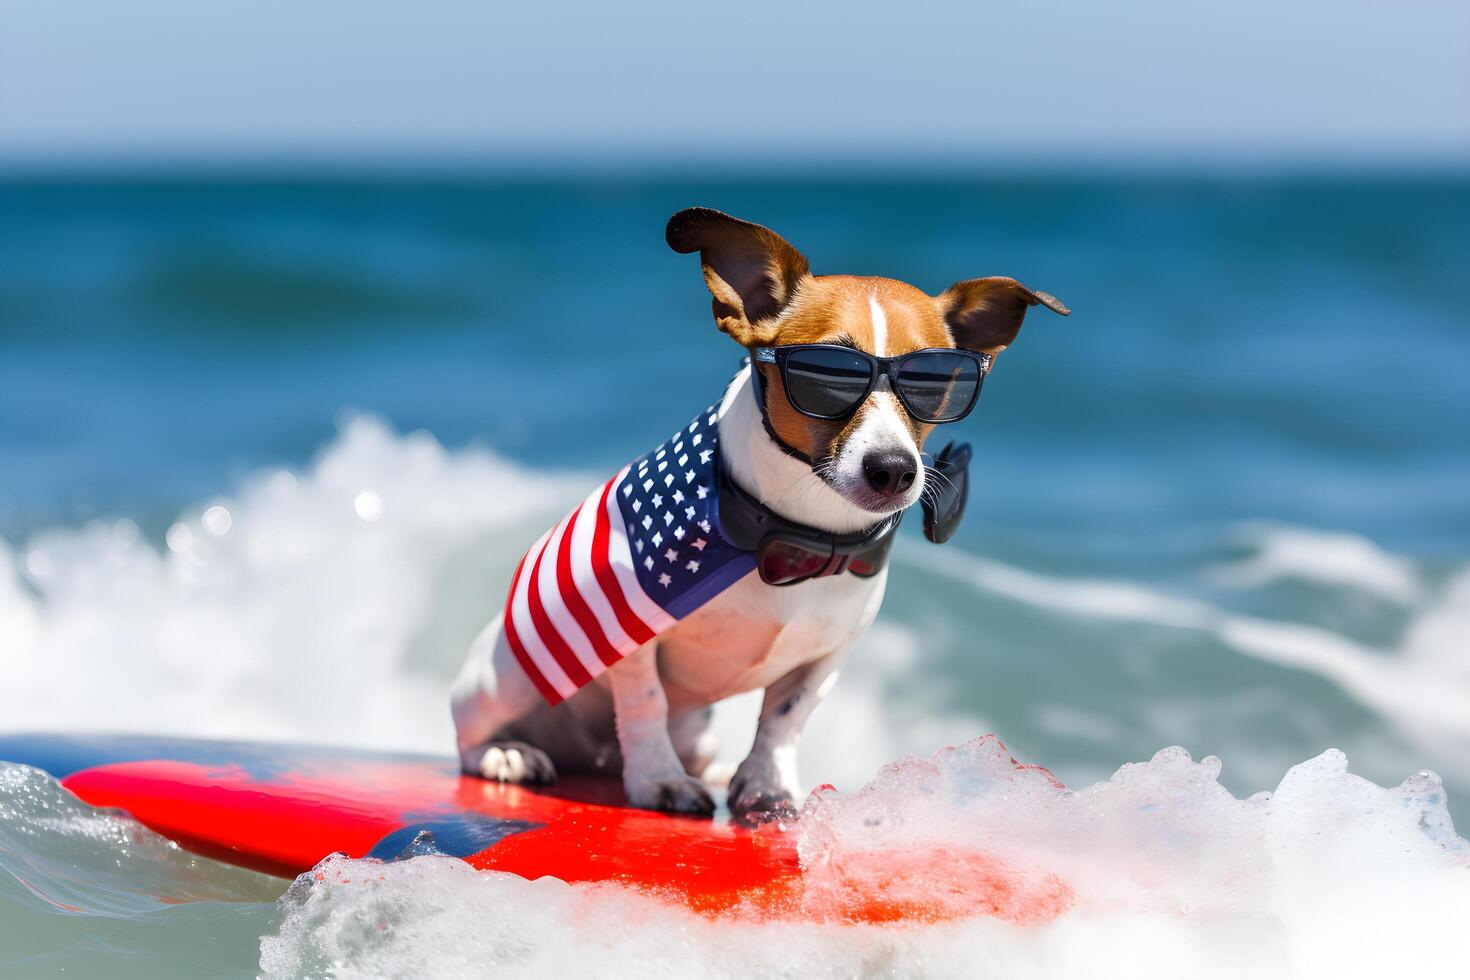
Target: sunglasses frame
x=877 y=367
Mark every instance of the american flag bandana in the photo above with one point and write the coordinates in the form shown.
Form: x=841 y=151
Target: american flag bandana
x=643 y=551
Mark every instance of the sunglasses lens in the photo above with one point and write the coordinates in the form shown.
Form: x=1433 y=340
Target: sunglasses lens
x=784 y=564
x=939 y=386
x=827 y=382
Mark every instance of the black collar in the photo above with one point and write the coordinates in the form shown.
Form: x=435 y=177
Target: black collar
x=746 y=522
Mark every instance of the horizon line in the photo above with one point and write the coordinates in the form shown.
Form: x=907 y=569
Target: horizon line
x=523 y=163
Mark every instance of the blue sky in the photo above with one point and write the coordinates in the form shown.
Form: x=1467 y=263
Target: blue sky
x=928 y=85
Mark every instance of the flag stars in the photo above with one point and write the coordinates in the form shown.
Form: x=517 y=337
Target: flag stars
x=671 y=517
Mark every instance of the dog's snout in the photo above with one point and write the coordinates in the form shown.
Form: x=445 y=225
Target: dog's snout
x=890 y=473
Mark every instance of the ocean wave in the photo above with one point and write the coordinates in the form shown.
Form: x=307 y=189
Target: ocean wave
x=1421 y=683
x=1335 y=559
x=332 y=605
x=88 y=892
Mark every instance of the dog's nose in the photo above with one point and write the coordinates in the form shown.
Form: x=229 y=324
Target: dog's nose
x=890 y=473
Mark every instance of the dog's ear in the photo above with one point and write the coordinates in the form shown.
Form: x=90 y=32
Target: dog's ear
x=986 y=314
x=751 y=271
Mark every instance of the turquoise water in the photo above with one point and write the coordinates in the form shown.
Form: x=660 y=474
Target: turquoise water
x=1225 y=505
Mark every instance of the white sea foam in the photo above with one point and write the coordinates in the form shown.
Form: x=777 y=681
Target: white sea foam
x=1157 y=872
x=325 y=606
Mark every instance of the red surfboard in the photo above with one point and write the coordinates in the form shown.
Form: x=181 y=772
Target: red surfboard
x=281 y=809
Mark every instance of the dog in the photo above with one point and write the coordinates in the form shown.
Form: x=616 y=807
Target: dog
x=808 y=462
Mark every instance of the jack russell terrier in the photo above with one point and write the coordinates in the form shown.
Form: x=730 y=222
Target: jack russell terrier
x=749 y=551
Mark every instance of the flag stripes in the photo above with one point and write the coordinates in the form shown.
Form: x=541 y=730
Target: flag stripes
x=576 y=606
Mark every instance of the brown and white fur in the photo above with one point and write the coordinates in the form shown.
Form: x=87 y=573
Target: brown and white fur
x=648 y=716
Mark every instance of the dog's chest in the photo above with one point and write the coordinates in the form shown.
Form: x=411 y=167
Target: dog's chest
x=753 y=634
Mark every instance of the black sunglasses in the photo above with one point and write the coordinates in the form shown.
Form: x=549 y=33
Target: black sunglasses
x=830 y=381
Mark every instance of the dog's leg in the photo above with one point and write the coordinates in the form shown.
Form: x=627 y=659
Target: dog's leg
x=694 y=738
x=652 y=773
x=490 y=693
x=766 y=784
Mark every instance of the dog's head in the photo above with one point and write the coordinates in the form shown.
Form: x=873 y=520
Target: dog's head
x=766 y=296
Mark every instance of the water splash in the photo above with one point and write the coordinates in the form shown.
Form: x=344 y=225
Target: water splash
x=1156 y=872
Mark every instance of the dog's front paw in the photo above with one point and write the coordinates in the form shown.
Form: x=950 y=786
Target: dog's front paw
x=757 y=805
x=675 y=794
x=509 y=762
x=757 y=796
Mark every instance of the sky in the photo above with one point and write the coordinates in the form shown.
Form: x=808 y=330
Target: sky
x=924 y=84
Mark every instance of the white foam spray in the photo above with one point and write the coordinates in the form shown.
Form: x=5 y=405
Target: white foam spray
x=1162 y=873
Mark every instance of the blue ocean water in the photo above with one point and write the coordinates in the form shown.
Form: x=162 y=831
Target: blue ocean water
x=1242 y=348
x=1225 y=504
